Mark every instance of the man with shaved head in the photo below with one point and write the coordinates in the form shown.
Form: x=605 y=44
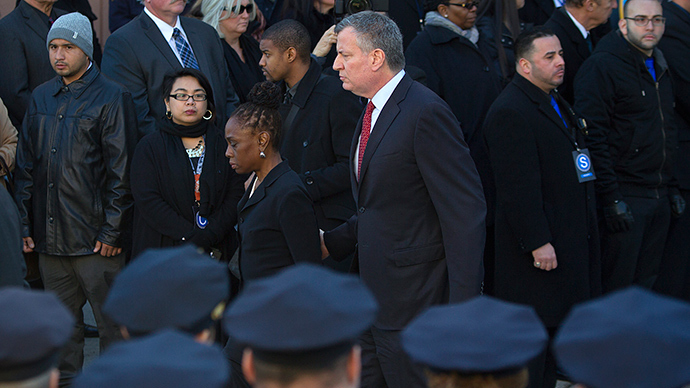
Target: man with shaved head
x=624 y=90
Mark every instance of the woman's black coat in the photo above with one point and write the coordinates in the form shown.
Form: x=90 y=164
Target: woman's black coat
x=163 y=216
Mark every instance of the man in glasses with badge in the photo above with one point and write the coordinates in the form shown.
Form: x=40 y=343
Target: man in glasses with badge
x=625 y=92
x=547 y=249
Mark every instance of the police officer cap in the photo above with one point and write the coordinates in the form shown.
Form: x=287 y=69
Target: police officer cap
x=34 y=326
x=169 y=288
x=482 y=335
x=167 y=359
x=305 y=315
x=631 y=338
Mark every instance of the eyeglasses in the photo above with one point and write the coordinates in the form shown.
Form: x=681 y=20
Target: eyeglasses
x=467 y=5
x=239 y=10
x=185 y=96
x=643 y=21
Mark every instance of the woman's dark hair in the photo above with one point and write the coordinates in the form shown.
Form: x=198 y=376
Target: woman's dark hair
x=503 y=12
x=170 y=78
x=260 y=112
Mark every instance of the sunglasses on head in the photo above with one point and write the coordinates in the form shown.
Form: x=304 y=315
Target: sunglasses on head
x=467 y=5
x=239 y=10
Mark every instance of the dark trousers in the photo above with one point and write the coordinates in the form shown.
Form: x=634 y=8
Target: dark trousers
x=385 y=364
x=674 y=273
x=542 y=369
x=76 y=279
x=633 y=257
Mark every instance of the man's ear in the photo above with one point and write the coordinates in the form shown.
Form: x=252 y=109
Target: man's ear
x=525 y=65
x=623 y=26
x=377 y=59
x=290 y=54
x=248 y=368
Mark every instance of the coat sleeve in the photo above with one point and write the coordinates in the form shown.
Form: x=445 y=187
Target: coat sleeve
x=221 y=222
x=120 y=63
x=298 y=224
x=146 y=189
x=8 y=139
x=594 y=99
x=515 y=161
x=118 y=139
x=14 y=88
x=344 y=111
x=23 y=173
x=452 y=181
x=342 y=240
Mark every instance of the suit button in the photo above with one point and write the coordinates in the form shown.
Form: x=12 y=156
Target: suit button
x=307 y=173
x=310 y=181
x=60 y=117
x=241 y=220
x=65 y=89
x=54 y=150
x=589 y=237
x=362 y=209
x=305 y=144
x=50 y=220
x=486 y=68
x=51 y=185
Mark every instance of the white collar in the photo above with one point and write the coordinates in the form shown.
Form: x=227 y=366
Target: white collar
x=382 y=96
x=579 y=26
x=165 y=28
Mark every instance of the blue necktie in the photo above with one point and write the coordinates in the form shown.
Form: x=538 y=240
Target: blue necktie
x=554 y=104
x=188 y=59
x=649 y=62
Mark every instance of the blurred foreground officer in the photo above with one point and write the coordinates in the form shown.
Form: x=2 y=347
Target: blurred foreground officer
x=547 y=252
x=34 y=327
x=300 y=328
x=481 y=343
x=632 y=338
x=168 y=359
x=625 y=92
x=172 y=288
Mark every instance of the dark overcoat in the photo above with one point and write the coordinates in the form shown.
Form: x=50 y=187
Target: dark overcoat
x=164 y=216
x=276 y=225
x=538 y=201
x=317 y=143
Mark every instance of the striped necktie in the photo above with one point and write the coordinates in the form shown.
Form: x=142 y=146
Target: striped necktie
x=186 y=54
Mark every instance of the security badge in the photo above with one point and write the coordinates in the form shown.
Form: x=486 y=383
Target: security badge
x=583 y=165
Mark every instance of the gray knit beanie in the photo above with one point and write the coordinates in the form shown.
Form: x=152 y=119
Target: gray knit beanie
x=73 y=27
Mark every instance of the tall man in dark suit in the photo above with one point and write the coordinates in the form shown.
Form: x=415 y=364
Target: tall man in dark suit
x=547 y=251
x=419 y=227
x=23 y=45
x=573 y=24
x=157 y=42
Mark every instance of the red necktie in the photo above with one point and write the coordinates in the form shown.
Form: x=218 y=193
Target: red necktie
x=364 y=137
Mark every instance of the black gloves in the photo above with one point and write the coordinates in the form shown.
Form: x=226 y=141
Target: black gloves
x=677 y=205
x=618 y=216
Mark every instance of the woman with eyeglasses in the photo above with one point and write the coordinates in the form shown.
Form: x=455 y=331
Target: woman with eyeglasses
x=184 y=190
x=231 y=18
x=452 y=53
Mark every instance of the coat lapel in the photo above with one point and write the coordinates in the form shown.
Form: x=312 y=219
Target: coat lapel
x=152 y=32
x=33 y=21
x=260 y=191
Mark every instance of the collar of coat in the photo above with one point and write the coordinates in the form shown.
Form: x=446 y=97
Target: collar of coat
x=441 y=35
x=306 y=85
x=79 y=86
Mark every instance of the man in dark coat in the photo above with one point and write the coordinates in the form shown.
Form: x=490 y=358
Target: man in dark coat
x=573 y=24
x=319 y=120
x=408 y=15
x=142 y=52
x=537 y=12
x=625 y=92
x=546 y=233
x=674 y=274
x=72 y=179
x=23 y=44
x=419 y=228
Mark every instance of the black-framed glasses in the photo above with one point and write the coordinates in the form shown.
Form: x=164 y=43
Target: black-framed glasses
x=239 y=10
x=185 y=96
x=467 y=5
x=643 y=21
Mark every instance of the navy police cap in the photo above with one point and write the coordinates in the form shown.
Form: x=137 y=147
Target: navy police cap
x=169 y=288
x=631 y=338
x=167 y=359
x=482 y=335
x=34 y=326
x=304 y=309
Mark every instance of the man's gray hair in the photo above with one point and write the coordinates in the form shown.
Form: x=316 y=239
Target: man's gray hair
x=376 y=31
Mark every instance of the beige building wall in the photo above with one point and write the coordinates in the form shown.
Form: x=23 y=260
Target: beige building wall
x=100 y=8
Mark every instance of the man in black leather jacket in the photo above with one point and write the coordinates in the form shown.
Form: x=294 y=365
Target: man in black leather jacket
x=72 y=179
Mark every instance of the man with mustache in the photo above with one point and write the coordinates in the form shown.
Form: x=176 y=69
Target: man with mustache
x=625 y=92
x=547 y=249
x=157 y=42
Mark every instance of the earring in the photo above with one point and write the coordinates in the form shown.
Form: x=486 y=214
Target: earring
x=262 y=155
x=209 y=113
x=168 y=114
x=446 y=15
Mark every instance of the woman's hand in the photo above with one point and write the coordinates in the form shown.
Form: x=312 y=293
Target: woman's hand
x=327 y=40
